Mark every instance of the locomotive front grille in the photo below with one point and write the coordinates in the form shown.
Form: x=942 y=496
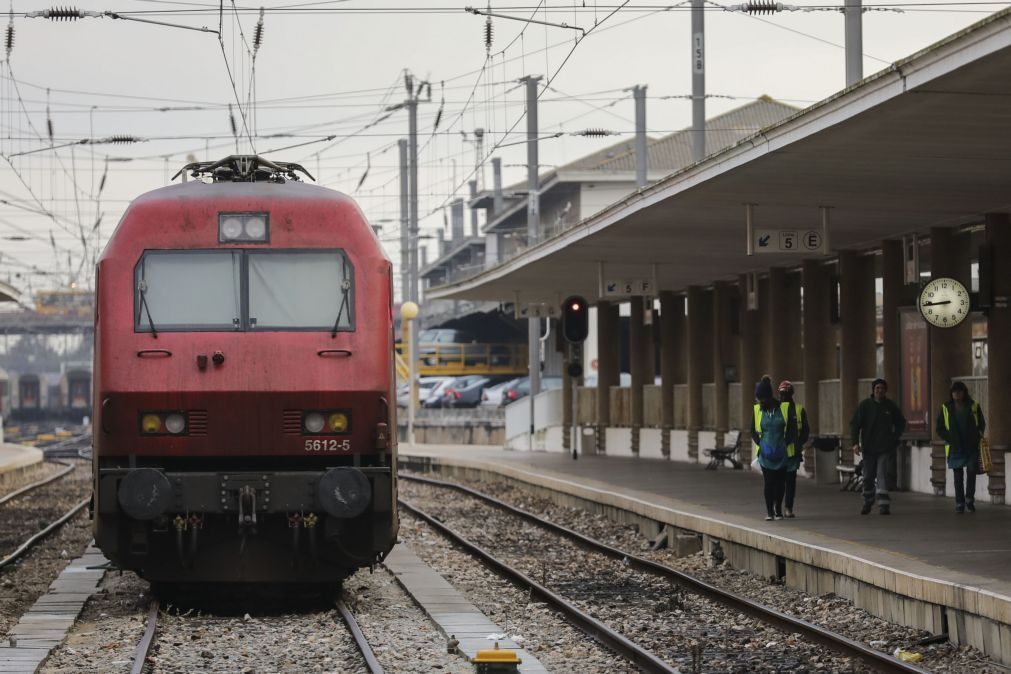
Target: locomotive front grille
x=291 y=422
x=197 y=422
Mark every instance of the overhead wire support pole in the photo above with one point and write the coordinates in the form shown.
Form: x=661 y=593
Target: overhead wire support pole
x=641 y=159
x=405 y=240
x=854 y=41
x=698 y=81
x=533 y=233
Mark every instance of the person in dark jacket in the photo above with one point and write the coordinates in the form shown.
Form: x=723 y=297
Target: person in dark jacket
x=803 y=432
x=960 y=422
x=774 y=432
x=876 y=428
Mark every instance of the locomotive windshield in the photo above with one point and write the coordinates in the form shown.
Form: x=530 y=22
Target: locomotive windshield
x=237 y=290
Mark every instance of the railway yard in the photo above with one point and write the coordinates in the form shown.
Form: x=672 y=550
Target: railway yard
x=592 y=596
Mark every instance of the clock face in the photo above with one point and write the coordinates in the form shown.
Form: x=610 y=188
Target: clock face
x=944 y=302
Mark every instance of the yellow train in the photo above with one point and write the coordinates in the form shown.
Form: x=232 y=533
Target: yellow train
x=65 y=302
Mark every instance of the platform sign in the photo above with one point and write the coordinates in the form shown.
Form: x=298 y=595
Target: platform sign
x=536 y=310
x=629 y=288
x=803 y=241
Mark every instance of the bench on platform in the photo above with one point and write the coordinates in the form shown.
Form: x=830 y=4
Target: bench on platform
x=717 y=455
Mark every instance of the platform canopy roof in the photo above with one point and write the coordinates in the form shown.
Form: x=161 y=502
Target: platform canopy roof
x=924 y=143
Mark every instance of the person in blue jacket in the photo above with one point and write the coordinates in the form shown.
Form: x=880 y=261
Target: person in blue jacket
x=773 y=431
x=961 y=424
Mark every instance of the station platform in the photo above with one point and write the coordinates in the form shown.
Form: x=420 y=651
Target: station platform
x=16 y=460
x=924 y=565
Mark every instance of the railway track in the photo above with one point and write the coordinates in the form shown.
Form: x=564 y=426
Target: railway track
x=16 y=523
x=844 y=646
x=146 y=644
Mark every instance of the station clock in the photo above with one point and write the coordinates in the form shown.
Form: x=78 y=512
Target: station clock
x=944 y=302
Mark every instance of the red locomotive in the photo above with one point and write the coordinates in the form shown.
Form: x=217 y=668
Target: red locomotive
x=244 y=430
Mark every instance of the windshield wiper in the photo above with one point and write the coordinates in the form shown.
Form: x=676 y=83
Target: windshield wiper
x=143 y=305
x=345 y=289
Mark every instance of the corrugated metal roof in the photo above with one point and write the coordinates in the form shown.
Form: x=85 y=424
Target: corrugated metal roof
x=674 y=152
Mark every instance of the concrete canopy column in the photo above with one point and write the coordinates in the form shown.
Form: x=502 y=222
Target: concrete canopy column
x=856 y=339
x=696 y=334
x=721 y=304
x=998 y=236
x=749 y=368
x=777 y=356
x=816 y=329
x=670 y=353
x=639 y=351
x=892 y=283
x=950 y=353
x=607 y=366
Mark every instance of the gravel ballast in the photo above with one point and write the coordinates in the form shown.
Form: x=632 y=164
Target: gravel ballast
x=831 y=612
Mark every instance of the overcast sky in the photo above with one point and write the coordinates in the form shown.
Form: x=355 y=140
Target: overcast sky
x=332 y=68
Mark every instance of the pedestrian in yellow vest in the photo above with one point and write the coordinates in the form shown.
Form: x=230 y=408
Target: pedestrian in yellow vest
x=774 y=432
x=961 y=425
x=803 y=432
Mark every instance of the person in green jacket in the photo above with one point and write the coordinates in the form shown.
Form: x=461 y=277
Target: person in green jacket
x=961 y=424
x=876 y=428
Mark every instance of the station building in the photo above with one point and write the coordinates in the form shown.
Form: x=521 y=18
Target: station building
x=901 y=178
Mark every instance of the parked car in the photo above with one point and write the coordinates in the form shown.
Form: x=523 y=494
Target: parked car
x=492 y=395
x=462 y=391
x=425 y=387
x=521 y=388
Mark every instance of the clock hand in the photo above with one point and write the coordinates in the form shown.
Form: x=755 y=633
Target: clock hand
x=934 y=304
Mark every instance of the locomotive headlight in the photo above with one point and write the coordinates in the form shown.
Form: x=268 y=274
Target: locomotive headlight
x=150 y=423
x=314 y=422
x=231 y=228
x=175 y=423
x=256 y=228
x=338 y=422
x=243 y=227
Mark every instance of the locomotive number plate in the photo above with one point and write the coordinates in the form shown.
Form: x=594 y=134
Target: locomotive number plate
x=328 y=445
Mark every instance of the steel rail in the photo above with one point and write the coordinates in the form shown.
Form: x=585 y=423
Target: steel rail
x=633 y=652
x=882 y=662
x=363 y=644
x=35 y=485
x=26 y=546
x=144 y=647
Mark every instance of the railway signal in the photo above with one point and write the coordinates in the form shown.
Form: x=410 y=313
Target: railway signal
x=575 y=319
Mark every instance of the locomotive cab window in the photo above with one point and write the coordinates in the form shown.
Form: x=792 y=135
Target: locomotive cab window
x=299 y=290
x=188 y=290
x=238 y=290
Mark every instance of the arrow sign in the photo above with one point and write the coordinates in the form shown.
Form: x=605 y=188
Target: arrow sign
x=763 y=241
x=789 y=241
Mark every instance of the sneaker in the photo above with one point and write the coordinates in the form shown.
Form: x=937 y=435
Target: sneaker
x=866 y=509
x=779 y=517
x=885 y=510
x=960 y=508
x=970 y=506
x=768 y=518
x=789 y=514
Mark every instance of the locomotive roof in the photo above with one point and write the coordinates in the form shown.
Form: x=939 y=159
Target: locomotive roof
x=199 y=190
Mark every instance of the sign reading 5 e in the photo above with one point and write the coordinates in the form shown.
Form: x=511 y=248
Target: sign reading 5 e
x=804 y=241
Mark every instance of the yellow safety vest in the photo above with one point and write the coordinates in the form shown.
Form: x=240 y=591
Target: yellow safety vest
x=947 y=422
x=784 y=408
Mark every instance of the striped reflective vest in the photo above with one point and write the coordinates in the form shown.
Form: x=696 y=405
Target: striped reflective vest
x=784 y=408
x=947 y=422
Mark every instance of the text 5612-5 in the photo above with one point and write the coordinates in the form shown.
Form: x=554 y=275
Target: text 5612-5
x=328 y=445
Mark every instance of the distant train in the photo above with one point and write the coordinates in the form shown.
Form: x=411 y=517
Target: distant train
x=34 y=396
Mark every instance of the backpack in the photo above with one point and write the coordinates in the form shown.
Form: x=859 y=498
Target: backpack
x=773 y=453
